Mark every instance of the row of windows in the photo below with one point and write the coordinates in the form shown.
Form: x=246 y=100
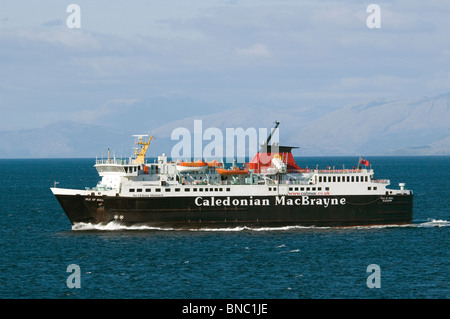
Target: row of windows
x=347 y=179
x=301 y=189
x=131 y=169
x=167 y=190
x=206 y=189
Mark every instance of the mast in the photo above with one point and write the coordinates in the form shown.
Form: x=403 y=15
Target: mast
x=140 y=157
x=273 y=131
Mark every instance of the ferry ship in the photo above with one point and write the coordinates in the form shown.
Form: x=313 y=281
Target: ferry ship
x=271 y=190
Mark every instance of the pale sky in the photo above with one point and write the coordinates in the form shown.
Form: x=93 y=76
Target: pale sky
x=222 y=54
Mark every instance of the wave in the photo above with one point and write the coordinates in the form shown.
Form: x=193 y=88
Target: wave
x=290 y=251
x=434 y=223
x=242 y=228
x=416 y=224
x=116 y=226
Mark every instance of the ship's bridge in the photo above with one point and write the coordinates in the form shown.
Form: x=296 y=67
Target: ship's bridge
x=124 y=167
x=113 y=170
x=119 y=167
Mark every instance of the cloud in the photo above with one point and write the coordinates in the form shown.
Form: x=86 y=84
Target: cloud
x=255 y=50
x=53 y=34
x=230 y=53
x=53 y=23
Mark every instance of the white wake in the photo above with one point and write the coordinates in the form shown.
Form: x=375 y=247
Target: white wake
x=117 y=226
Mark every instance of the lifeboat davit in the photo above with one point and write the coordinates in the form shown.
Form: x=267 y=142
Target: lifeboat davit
x=192 y=166
x=232 y=171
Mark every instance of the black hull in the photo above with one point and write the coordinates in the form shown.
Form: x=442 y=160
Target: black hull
x=251 y=211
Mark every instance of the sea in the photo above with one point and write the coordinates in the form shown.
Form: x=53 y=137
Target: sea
x=42 y=256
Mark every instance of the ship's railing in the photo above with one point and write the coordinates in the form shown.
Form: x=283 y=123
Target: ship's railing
x=341 y=171
x=273 y=170
x=258 y=182
x=99 y=187
x=113 y=161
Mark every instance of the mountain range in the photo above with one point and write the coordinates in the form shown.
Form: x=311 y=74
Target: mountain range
x=419 y=126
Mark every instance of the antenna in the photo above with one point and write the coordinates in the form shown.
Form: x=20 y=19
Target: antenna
x=140 y=136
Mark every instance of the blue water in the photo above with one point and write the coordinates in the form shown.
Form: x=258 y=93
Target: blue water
x=38 y=244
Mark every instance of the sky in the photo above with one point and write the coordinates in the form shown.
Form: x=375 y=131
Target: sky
x=219 y=54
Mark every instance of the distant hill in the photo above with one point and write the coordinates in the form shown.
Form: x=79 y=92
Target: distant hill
x=384 y=127
x=400 y=127
x=62 y=139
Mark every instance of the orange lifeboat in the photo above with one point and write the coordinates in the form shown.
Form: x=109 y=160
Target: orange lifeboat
x=232 y=171
x=192 y=166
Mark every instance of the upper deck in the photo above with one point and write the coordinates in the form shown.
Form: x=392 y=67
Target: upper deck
x=277 y=169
